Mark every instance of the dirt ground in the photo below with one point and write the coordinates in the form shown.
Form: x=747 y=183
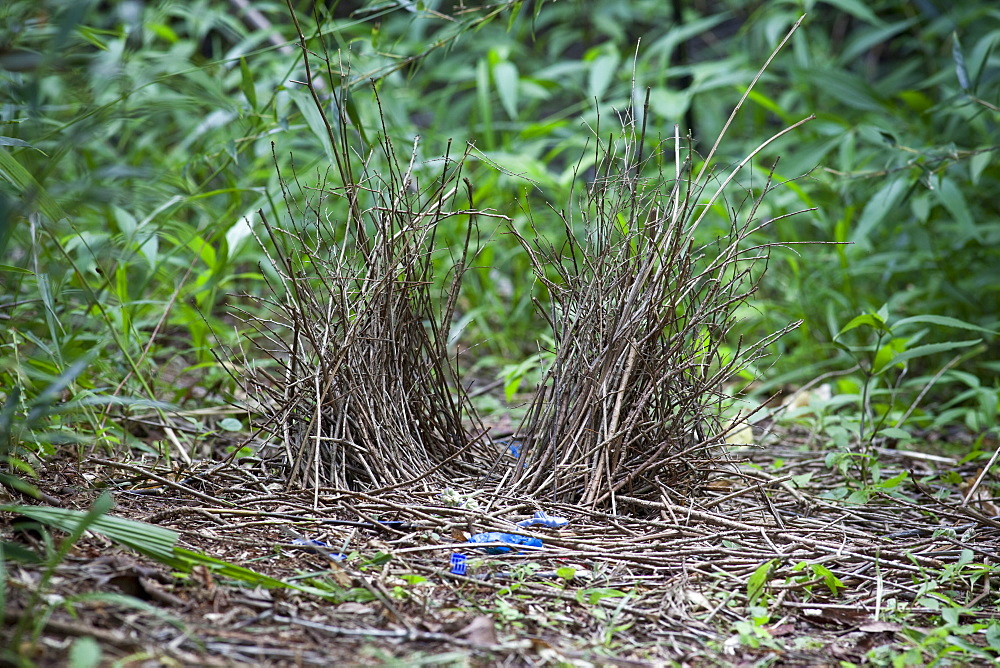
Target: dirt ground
x=764 y=566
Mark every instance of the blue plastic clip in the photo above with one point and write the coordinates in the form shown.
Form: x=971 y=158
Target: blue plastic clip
x=458 y=564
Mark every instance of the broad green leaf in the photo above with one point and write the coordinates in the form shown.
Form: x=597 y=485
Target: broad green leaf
x=150 y=540
x=602 y=71
x=950 y=615
x=12 y=141
x=978 y=163
x=247 y=83
x=879 y=207
x=858 y=497
x=856 y=8
x=931 y=349
x=595 y=595
x=888 y=352
x=769 y=104
x=872 y=320
x=759 y=578
x=872 y=38
x=483 y=103
x=831 y=581
x=14 y=172
x=40 y=406
x=202 y=249
x=17 y=552
x=993 y=635
x=84 y=653
x=127 y=222
x=93 y=37
x=505 y=77
x=669 y=104
x=314 y=119
x=510 y=388
x=944 y=321
x=189 y=559
x=17 y=483
x=20 y=60
x=954 y=201
x=894 y=481
x=960 y=69
x=164 y=32
x=917 y=100
x=847 y=88
x=352 y=113
x=920 y=205
x=230 y=424
x=896 y=433
x=979 y=57
x=801 y=480
x=665 y=46
x=15 y=270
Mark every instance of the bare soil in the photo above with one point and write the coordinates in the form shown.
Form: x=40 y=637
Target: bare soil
x=665 y=583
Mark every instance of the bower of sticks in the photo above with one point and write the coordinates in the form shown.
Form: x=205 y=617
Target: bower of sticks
x=670 y=530
x=654 y=519
x=651 y=522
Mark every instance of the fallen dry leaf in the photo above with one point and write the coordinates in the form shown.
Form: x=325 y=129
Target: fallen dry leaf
x=353 y=608
x=880 y=627
x=202 y=575
x=479 y=631
x=339 y=575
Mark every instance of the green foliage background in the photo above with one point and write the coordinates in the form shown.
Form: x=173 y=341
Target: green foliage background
x=139 y=139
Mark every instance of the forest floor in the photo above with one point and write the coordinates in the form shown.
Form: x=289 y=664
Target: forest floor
x=778 y=559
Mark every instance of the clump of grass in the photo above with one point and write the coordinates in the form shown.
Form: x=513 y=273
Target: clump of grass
x=630 y=409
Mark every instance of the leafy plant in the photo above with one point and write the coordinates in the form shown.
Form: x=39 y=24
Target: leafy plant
x=815 y=573
x=757 y=582
x=886 y=357
x=150 y=540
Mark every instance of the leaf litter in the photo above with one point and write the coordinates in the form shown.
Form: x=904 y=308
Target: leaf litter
x=605 y=589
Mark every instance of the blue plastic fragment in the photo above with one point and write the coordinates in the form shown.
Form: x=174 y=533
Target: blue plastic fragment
x=497 y=537
x=313 y=545
x=540 y=517
x=310 y=542
x=458 y=563
x=512 y=444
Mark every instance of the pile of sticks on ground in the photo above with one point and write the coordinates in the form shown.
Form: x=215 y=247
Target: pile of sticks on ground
x=363 y=391
x=631 y=404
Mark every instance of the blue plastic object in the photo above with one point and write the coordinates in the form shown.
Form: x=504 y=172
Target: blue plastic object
x=458 y=563
x=497 y=537
x=540 y=517
x=313 y=545
x=513 y=446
